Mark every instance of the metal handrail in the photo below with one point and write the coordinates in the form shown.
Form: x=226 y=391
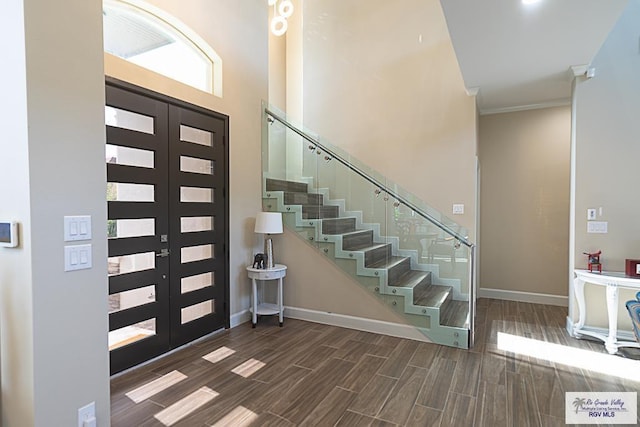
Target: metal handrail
x=372 y=180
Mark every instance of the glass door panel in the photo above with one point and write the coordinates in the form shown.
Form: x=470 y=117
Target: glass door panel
x=132 y=298
x=193 y=283
x=196 y=223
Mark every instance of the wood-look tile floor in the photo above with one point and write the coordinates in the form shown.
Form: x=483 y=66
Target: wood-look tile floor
x=311 y=374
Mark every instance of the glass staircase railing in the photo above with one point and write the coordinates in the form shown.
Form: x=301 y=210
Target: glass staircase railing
x=419 y=262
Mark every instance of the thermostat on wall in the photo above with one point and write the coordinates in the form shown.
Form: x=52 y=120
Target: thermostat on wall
x=8 y=234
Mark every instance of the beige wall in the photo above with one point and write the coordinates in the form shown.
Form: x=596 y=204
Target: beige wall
x=239 y=35
x=53 y=324
x=388 y=91
x=382 y=82
x=606 y=153
x=315 y=283
x=524 y=200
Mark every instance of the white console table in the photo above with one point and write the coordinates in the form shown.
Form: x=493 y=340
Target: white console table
x=276 y=273
x=612 y=281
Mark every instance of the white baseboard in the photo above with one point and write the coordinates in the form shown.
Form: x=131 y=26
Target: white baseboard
x=357 y=323
x=530 y=297
x=239 y=318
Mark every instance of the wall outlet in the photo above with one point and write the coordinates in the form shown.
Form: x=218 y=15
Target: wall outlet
x=591 y=214
x=86 y=414
x=597 y=227
x=458 y=209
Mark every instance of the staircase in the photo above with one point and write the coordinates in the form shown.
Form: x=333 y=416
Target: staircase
x=434 y=304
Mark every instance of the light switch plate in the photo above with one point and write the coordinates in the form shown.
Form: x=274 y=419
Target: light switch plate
x=458 y=209
x=77 y=257
x=77 y=228
x=86 y=413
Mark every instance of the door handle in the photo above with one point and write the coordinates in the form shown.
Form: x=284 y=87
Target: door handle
x=163 y=253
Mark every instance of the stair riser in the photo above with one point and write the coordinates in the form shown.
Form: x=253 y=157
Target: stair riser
x=319 y=212
x=433 y=296
x=338 y=226
x=394 y=273
x=445 y=306
x=302 y=199
x=376 y=255
x=357 y=240
x=280 y=185
x=420 y=290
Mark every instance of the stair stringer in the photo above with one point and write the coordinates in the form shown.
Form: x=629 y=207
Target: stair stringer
x=438 y=333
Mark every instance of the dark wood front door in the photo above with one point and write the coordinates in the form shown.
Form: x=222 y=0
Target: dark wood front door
x=168 y=223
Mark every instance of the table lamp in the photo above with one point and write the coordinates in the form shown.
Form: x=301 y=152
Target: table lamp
x=269 y=223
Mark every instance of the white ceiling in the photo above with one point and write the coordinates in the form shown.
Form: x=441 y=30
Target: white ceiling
x=519 y=55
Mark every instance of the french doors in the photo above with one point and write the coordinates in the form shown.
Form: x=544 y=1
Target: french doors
x=167 y=223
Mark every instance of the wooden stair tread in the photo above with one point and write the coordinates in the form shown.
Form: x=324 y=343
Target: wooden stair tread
x=433 y=296
x=369 y=247
x=411 y=279
x=389 y=262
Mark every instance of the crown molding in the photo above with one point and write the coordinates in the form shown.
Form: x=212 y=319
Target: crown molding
x=472 y=91
x=577 y=71
x=499 y=110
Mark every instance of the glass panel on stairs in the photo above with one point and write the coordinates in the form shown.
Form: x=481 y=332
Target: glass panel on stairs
x=415 y=260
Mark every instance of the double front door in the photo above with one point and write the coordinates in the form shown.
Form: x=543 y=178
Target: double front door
x=167 y=224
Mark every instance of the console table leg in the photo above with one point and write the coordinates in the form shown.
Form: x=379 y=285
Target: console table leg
x=578 y=288
x=612 y=312
x=254 y=293
x=280 y=305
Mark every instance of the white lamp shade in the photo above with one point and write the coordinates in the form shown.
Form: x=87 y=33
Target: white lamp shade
x=269 y=223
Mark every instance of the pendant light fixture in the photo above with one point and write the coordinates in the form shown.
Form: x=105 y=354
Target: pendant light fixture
x=281 y=11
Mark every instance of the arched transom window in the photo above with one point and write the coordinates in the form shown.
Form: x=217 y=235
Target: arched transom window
x=149 y=37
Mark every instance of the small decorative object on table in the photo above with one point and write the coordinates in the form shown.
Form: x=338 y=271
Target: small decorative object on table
x=632 y=267
x=594 y=261
x=268 y=223
x=260 y=261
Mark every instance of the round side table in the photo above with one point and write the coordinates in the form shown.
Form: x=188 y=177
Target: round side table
x=262 y=308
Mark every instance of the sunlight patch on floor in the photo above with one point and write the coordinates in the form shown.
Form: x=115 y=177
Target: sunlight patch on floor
x=248 y=368
x=156 y=386
x=183 y=407
x=239 y=417
x=597 y=362
x=219 y=354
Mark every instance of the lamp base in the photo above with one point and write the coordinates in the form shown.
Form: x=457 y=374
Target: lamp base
x=268 y=251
